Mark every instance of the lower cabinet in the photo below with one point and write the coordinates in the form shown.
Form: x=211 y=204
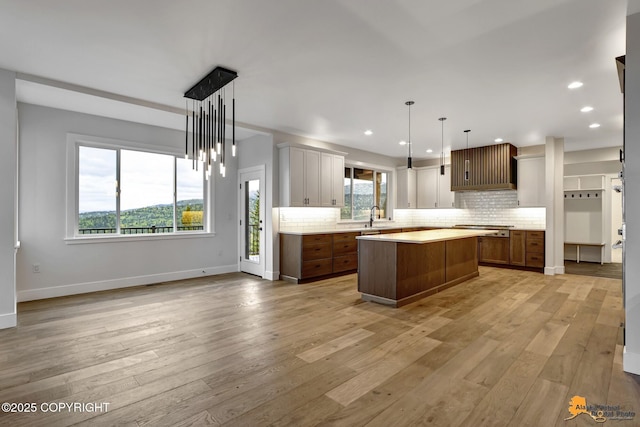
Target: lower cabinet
x=314 y=255
x=527 y=248
x=345 y=252
x=535 y=249
x=493 y=250
x=517 y=247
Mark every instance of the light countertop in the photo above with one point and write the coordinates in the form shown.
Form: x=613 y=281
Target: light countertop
x=381 y=229
x=427 y=236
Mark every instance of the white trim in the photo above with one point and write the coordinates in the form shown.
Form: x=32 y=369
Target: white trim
x=260 y=171
x=8 y=320
x=126 y=282
x=550 y=271
x=115 y=238
x=271 y=275
x=630 y=362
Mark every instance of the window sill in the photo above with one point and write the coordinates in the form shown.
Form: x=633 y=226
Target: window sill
x=81 y=240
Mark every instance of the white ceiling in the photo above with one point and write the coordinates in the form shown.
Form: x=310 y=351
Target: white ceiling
x=331 y=69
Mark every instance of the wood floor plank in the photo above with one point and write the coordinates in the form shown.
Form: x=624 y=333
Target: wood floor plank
x=542 y=405
x=505 y=348
x=334 y=345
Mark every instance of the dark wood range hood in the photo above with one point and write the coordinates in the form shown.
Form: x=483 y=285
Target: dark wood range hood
x=492 y=167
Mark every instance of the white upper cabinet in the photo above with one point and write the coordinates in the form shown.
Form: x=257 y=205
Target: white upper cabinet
x=405 y=188
x=446 y=197
x=427 y=188
x=310 y=177
x=434 y=190
x=531 y=179
x=332 y=180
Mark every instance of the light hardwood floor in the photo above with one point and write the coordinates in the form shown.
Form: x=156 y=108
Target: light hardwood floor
x=509 y=348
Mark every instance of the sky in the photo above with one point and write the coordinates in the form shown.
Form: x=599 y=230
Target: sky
x=146 y=179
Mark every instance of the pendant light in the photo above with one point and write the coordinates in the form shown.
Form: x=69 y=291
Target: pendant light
x=442 y=119
x=409 y=104
x=466 y=154
x=208 y=121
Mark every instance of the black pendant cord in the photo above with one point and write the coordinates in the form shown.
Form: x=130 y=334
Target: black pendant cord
x=442 y=119
x=233 y=121
x=186 y=130
x=193 y=135
x=466 y=161
x=409 y=158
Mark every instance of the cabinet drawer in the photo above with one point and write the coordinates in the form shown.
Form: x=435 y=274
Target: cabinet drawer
x=345 y=237
x=313 y=239
x=535 y=260
x=316 y=252
x=316 y=268
x=535 y=234
x=345 y=263
x=345 y=247
x=535 y=246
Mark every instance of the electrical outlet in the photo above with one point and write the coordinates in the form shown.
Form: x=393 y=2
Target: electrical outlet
x=36 y=268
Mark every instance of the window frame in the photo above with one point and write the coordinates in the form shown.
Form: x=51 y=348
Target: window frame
x=75 y=141
x=376 y=170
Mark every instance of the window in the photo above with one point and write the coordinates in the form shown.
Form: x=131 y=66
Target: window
x=364 y=188
x=122 y=191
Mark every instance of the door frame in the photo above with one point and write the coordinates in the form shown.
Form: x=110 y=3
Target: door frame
x=260 y=171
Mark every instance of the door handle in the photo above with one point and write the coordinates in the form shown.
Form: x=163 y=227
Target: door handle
x=617 y=245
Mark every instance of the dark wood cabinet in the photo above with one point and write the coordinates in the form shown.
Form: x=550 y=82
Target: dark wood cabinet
x=315 y=255
x=494 y=250
x=517 y=247
x=535 y=249
x=493 y=167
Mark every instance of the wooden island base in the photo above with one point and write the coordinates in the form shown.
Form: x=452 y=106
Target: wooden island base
x=397 y=273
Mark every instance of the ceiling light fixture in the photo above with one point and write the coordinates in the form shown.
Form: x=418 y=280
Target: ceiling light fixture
x=402 y=142
x=442 y=119
x=586 y=109
x=368 y=132
x=429 y=150
x=498 y=140
x=208 y=119
x=594 y=125
x=409 y=104
x=466 y=162
x=575 y=85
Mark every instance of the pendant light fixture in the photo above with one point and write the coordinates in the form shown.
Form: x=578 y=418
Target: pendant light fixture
x=409 y=104
x=208 y=120
x=466 y=154
x=442 y=119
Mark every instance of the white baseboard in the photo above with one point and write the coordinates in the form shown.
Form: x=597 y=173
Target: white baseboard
x=8 y=320
x=105 y=285
x=272 y=275
x=630 y=362
x=551 y=271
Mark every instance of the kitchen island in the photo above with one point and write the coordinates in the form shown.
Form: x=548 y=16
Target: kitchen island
x=399 y=268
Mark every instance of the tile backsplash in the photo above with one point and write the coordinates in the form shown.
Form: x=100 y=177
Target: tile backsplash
x=473 y=207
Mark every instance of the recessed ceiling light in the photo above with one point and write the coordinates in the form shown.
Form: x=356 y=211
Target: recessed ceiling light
x=368 y=132
x=429 y=150
x=402 y=142
x=575 y=85
x=594 y=125
x=498 y=140
x=586 y=109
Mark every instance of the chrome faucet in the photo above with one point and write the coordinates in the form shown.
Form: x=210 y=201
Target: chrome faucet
x=371 y=215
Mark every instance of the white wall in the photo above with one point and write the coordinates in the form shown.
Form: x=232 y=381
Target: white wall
x=7 y=195
x=76 y=268
x=631 y=358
